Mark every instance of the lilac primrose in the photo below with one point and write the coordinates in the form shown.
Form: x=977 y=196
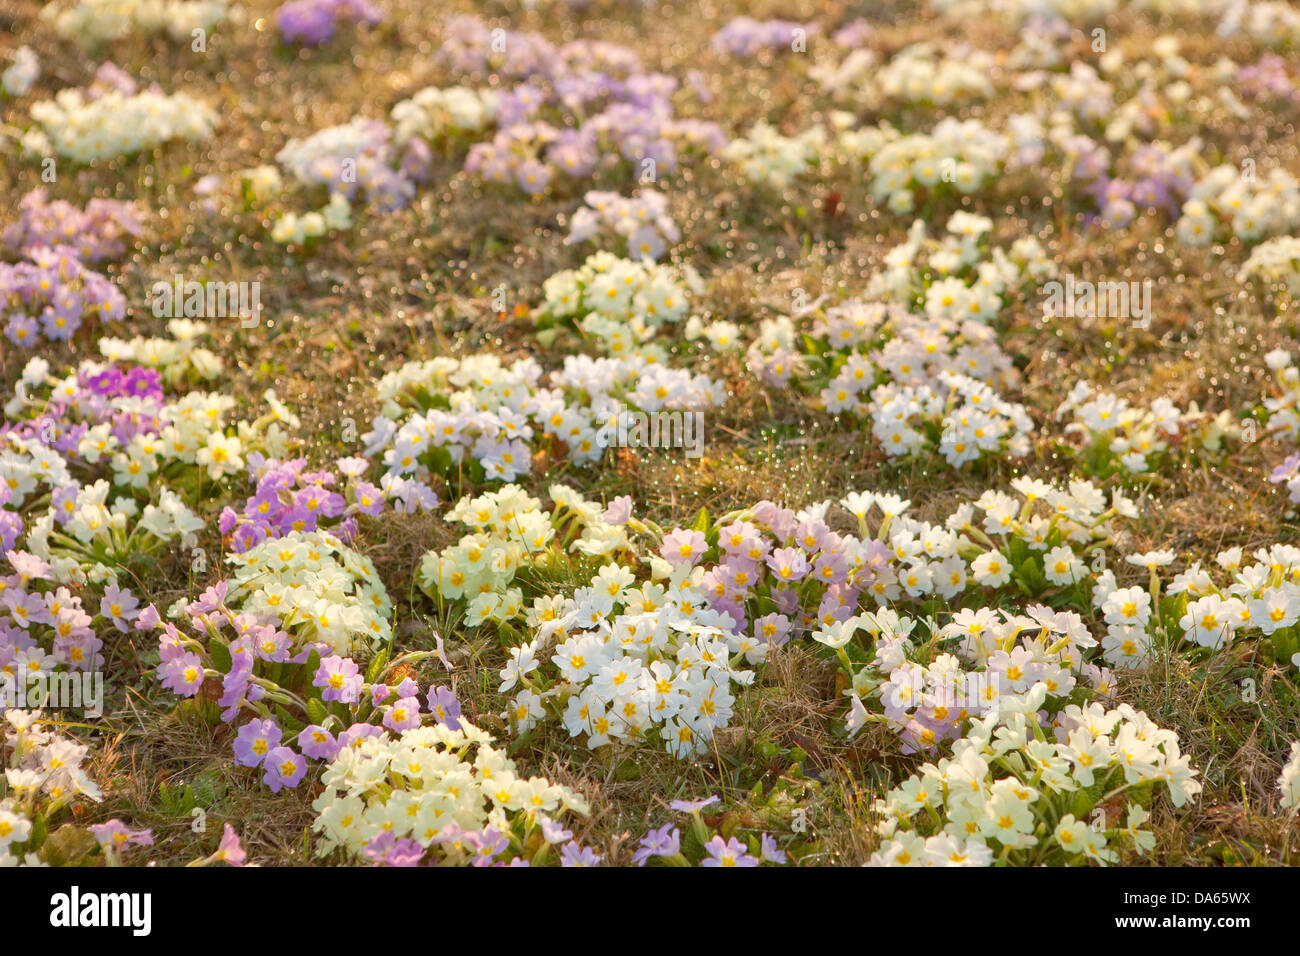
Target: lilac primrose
x=284 y=768
x=729 y=853
x=255 y=740
x=666 y=841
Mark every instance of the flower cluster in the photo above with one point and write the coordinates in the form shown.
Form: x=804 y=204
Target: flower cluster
x=99 y=429
x=1226 y=202
x=479 y=415
x=609 y=114
x=614 y=660
x=928 y=697
x=118 y=458
x=87 y=125
x=950 y=277
x=43 y=775
x=631 y=663
x=747 y=37
x=1116 y=436
x=94 y=22
x=1153 y=176
x=924 y=380
x=956 y=155
x=90 y=538
x=920 y=74
x=911 y=349
x=1011 y=794
x=1262 y=597
x=766 y=157
x=1042 y=545
x=441 y=115
x=288 y=497
x=965 y=417
x=50 y=294
x=860 y=343
x=357 y=158
x=394 y=798
x=510 y=532
x=620 y=303
x=19 y=75
x=97 y=233
x=107 y=415
x=779 y=573
x=313 y=22
x=44 y=628
x=244 y=662
x=641 y=224
x=320 y=590
x=1275 y=263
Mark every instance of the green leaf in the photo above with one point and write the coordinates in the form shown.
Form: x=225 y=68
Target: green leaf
x=701 y=521
x=220 y=654
x=377 y=667
x=316 y=711
x=68 y=846
x=1032 y=573
x=290 y=724
x=40 y=829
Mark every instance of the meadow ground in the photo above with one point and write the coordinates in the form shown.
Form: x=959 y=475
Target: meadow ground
x=418 y=283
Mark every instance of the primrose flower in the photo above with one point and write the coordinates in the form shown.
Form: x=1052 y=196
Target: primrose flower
x=340 y=679
x=182 y=675
x=683 y=547
x=255 y=740
x=573 y=855
x=693 y=806
x=771 y=852
x=116 y=835
x=284 y=768
x=729 y=853
x=666 y=841
x=619 y=510
x=788 y=564
x=403 y=715
x=444 y=706
x=317 y=743
x=230 y=850
x=386 y=848
x=552 y=831
x=991 y=569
